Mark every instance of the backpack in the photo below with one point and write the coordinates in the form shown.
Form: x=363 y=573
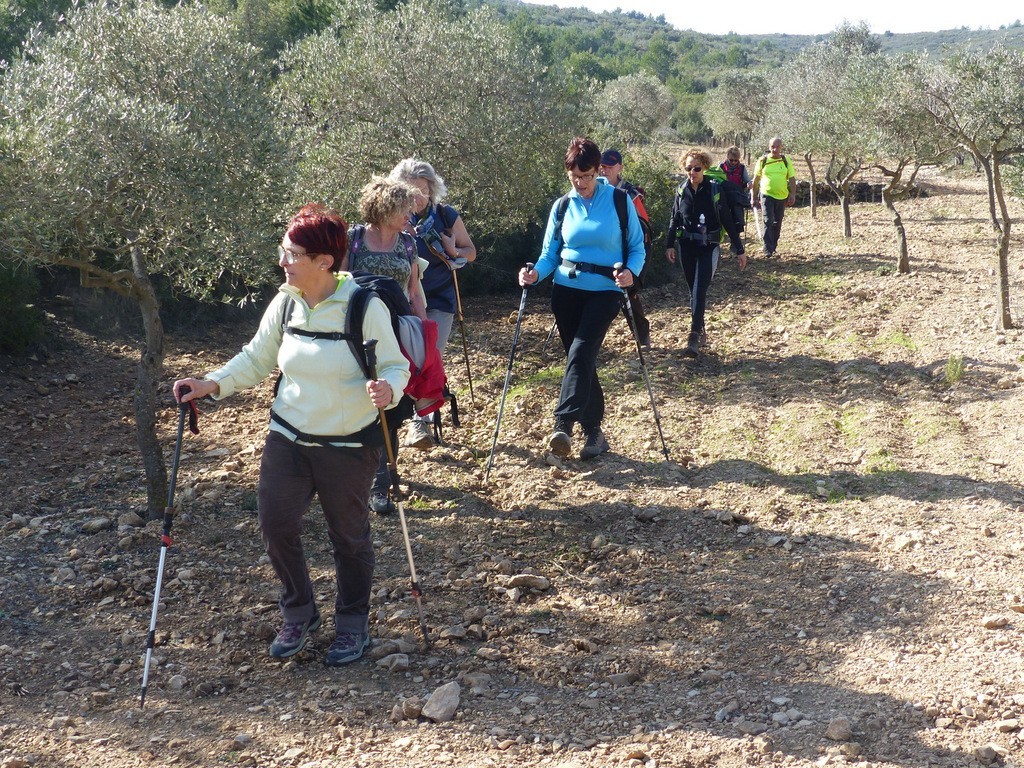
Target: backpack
x=733 y=194
x=427 y=387
x=636 y=194
x=619 y=197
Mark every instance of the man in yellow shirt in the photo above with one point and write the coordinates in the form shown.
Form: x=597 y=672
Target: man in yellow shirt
x=773 y=190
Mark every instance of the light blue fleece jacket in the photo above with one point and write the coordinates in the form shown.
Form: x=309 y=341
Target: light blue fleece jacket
x=592 y=236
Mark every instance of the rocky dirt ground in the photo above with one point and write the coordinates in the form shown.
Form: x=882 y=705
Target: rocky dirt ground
x=827 y=572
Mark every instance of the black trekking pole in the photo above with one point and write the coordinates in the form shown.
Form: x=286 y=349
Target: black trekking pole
x=508 y=375
x=370 y=347
x=551 y=334
x=462 y=328
x=165 y=536
x=643 y=365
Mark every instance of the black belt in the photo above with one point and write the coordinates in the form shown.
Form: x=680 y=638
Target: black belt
x=700 y=237
x=583 y=266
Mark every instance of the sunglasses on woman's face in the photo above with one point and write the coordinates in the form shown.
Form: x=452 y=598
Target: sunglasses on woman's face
x=692 y=168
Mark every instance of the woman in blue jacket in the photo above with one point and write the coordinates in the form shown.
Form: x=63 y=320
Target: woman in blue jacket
x=581 y=251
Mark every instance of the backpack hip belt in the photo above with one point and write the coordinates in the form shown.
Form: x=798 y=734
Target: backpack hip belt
x=585 y=266
x=369 y=436
x=705 y=238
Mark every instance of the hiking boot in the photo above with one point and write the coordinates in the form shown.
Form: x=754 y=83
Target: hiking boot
x=702 y=340
x=645 y=342
x=560 y=442
x=690 y=350
x=596 y=444
x=380 y=503
x=292 y=637
x=346 y=648
x=419 y=436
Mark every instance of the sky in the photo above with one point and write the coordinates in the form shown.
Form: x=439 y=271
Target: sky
x=813 y=17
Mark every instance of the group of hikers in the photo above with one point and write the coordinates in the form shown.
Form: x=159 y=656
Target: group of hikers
x=350 y=373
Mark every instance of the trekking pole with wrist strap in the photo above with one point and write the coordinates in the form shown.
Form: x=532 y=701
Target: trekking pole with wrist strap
x=370 y=347
x=165 y=536
x=462 y=329
x=643 y=365
x=508 y=374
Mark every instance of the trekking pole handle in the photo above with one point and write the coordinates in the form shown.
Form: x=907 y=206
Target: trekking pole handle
x=529 y=267
x=370 y=348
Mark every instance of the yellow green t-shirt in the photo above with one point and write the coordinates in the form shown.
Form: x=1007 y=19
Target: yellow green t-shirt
x=774 y=175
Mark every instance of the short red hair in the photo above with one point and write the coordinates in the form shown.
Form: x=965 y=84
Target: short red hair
x=320 y=230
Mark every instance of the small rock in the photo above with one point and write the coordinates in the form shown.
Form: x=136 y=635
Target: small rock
x=131 y=519
x=474 y=615
x=455 y=632
x=839 y=729
x=395 y=662
x=97 y=524
x=1008 y=726
x=749 y=728
x=528 y=581
x=177 y=683
x=443 y=703
x=994 y=622
x=989 y=753
x=623 y=678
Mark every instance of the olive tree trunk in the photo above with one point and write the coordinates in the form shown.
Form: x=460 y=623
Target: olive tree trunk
x=150 y=371
x=814 y=185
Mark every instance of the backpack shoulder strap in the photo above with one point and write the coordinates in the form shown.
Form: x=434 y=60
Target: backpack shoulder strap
x=716 y=195
x=621 y=200
x=355 y=237
x=286 y=312
x=409 y=242
x=561 y=206
x=354 y=326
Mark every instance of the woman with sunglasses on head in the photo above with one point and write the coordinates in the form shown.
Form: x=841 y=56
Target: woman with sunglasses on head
x=324 y=436
x=587 y=294
x=696 y=225
x=381 y=246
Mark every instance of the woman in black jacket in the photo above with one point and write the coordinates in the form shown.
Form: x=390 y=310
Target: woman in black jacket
x=698 y=217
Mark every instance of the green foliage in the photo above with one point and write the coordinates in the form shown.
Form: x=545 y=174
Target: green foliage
x=21 y=321
x=634 y=107
x=145 y=142
x=21 y=19
x=732 y=110
x=420 y=82
x=954 y=370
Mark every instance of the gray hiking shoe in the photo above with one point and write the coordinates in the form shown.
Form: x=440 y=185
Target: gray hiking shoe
x=346 y=648
x=596 y=444
x=419 y=436
x=291 y=638
x=560 y=442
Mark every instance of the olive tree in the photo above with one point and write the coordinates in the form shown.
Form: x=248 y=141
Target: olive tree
x=460 y=91
x=733 y=109
x=635 y=106
x=145 y=146
x=975 y=100
x=895 y=132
